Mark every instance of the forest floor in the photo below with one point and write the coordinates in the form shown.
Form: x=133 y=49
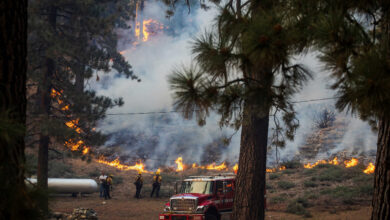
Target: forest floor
x=324 y=192
x=122 y=207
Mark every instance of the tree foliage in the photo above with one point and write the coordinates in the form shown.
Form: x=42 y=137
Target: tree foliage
x=353 y=38
x=83 y=44
x=244 y=44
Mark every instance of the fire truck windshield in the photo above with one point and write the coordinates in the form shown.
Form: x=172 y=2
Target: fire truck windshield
x=202 y=187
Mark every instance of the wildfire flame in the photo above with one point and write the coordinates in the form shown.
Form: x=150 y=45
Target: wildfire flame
x=370 y=169
x=351 y=163
x=74 y=146
x=117 y=164
x=74 y=124
x=54 y=93
x=235 y=168
x=86 y=150
x=212 y=166
x=270 y=170
x=147 y=27
x=179 y=162
x=150 y=27
x=309 y=166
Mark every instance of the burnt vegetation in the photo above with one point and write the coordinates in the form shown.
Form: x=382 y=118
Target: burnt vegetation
x=324 y=118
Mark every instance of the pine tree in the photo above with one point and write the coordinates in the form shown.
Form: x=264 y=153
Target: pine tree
x=243 y=71
x=16 y=201
x=353 y=38
x=68 y=42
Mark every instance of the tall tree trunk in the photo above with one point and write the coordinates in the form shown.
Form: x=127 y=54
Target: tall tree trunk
x=45 y=102
x=381 y=197
x=14 y=200
x=249 y=200
x=250 y=181
x=79 y=84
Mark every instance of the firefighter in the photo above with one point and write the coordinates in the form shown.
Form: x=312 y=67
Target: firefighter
x=138 y=184
x=102 y=180
x=156 y=183
x=108 y=187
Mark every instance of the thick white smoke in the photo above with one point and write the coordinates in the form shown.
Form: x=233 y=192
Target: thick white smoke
x=153 y=61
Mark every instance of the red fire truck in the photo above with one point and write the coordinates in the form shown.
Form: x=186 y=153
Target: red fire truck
x=202 y=198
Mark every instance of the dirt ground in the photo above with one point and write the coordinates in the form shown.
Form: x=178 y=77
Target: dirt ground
x=124 y=206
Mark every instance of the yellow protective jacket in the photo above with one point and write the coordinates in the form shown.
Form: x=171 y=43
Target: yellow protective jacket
x=139 y=179
x=157 y=179
x=109 y=181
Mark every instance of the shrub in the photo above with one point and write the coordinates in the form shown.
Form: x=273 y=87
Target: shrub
x=273 y=176
x=363 y=178
x=323 y=166
x=286 y=185
x=117 y=180
x=277 y=199
x=312 y=196
x=308 y=172
x=297 y=208
x=310 y=184
x=94 y=174
x=367 y=189
x=288 y=172
x=333 y=174
x=58 y=169
x=303 y=201
x=292 y=164
x=346 y=194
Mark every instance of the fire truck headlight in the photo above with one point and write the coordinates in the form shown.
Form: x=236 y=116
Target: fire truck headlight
x=201 y=209
x=167 y=209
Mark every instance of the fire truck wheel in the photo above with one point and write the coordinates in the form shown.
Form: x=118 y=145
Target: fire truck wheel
x=211 y=217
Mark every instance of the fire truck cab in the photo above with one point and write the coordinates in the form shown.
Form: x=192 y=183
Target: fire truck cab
x=202 y=198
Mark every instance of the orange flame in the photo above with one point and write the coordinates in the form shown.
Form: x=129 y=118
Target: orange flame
x=309 y=166
x=86 y=150
x=212 y=166
x=179 y=162
x=270 y=170
x=370 y=169
x=334 y=161
x=235 y=168
x=74 y=146
x=148 y=30
x=351 y=163
x=74 y=124
x=54 y=93
x=282 y=168
x=137 y=29
x=117 y=164
x=65 y=108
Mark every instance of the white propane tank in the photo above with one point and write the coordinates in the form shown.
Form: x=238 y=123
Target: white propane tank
x=61 y=185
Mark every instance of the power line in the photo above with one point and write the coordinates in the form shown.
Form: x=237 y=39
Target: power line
x=172 y=111
x=175 y=111
x=314 y=100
